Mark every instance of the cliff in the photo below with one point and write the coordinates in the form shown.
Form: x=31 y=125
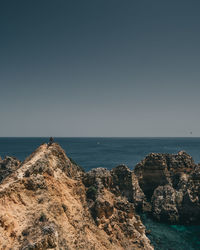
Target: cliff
x=171 y=184
x=48 y=202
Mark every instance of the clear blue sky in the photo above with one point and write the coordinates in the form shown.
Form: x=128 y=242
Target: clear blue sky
x=99 y=68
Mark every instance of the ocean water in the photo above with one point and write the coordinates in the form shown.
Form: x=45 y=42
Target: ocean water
x=172 y=237
x=104 y=152
x=110 y=152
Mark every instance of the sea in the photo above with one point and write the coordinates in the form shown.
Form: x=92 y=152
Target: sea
x=109 y=152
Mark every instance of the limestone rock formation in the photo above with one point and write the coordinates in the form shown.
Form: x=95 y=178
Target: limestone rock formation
x=112 y=197
x=48 y=202
x=171 y=184
x=128 y=185
x=7 y=166
x=164 y=204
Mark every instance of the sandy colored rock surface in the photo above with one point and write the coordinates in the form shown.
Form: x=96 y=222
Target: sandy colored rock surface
x=171 y=184
x=44 y=204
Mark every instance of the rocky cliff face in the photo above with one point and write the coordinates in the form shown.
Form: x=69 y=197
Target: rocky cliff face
x=48 y=202
x=8 y=166
x=171 y=184
x=112 y=197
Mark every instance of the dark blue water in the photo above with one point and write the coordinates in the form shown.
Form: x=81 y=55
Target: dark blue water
x=104 y=152
x=110 y=152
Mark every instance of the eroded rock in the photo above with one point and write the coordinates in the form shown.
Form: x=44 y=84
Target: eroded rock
x=7 y=166
x=171 y=184
x=112 y=204
x=48 y=202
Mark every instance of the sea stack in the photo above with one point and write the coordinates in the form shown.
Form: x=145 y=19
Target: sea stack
x=171 y=184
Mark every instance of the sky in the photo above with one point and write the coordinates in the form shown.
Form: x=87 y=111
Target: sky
x=100 y=68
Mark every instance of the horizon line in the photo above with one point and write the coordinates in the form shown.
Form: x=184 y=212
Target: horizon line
x=100 y=136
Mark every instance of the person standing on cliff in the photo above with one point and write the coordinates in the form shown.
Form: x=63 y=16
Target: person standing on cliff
x=50 y=141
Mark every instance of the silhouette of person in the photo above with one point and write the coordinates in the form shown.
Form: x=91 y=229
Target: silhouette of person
x=50 y=141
